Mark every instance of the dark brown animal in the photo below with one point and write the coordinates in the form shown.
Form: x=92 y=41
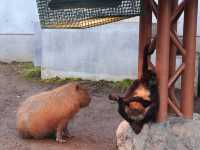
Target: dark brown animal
x=140 y=103
x=49 y=112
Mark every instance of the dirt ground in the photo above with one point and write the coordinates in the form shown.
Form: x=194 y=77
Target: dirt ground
x=93 y=127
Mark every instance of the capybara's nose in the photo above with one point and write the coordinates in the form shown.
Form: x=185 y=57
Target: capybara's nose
x=135 y=112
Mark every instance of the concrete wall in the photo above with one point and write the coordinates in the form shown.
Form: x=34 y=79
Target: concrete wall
x=17 y=29
x=18 y=16
x=105 y=52
x=16 y=47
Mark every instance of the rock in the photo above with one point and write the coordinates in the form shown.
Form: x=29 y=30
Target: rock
x=175 y=134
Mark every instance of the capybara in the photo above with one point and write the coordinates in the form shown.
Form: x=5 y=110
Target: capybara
x=49 y=112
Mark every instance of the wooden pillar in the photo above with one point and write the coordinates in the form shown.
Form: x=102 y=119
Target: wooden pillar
x=162 y=60
x=145 y=32
x=189 y=43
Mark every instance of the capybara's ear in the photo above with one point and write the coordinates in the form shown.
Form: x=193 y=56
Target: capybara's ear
x=113 y=97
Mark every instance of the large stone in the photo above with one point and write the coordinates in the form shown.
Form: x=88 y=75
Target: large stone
x=174 y=134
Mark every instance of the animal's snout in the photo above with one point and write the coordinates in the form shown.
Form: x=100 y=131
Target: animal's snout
x=113 y=97
x=136 y=112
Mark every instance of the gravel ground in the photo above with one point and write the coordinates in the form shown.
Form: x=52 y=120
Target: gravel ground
x=93 y=127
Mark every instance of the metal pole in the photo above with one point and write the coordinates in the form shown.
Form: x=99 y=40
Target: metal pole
x=162 y=60
x=189 y=42
x=145 y=32
x=172 y=65
x=172 y=54
x=198 y=82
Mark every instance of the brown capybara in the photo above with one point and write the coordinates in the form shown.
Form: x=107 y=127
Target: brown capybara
x=49 y=112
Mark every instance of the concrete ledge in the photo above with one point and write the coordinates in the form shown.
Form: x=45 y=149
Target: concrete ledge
x=47 y=73
x=174 y=134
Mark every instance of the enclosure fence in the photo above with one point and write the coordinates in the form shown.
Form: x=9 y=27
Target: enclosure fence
x=53 y=14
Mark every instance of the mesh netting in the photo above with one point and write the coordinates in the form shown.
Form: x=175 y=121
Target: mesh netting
x=86 y=17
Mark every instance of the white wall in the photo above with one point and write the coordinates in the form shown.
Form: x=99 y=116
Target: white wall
x=18 y=48
x=22 y=40
x=18 y=19
x=105 y=52
x=18 y=16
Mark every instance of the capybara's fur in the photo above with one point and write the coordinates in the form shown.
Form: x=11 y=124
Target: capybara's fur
x=49 y=112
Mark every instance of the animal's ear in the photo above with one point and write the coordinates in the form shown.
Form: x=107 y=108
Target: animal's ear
x=113 y=97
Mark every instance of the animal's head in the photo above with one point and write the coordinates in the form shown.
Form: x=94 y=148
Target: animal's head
x=135 y=107
x=138 y=101
x=83 y=95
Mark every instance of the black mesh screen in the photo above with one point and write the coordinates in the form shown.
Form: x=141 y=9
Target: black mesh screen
x=66 y=14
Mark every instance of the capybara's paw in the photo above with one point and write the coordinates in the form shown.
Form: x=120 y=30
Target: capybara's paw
x=60 y=140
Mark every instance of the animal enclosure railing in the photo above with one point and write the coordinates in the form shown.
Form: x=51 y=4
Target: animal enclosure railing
x=167 y=44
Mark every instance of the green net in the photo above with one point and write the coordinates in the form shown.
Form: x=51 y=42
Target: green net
x=85 y=13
